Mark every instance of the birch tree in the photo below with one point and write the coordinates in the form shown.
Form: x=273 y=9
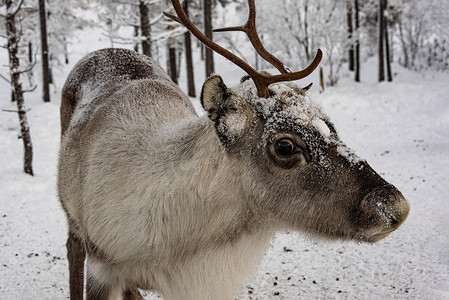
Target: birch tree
x=423 y=34
x=9 y=15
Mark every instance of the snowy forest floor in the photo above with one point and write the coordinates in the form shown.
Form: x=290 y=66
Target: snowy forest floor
x=401 y=128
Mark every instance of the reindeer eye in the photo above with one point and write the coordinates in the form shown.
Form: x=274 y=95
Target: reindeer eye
x=284 y=147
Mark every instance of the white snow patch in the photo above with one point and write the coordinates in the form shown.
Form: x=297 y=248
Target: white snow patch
x=287 y=105
x=232 y=126
x=322 y=128
x=349 y=154
x=33 y=228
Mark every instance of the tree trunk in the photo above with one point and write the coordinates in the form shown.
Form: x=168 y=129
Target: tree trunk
x=405 y=52
x=321 y=79
x=306 y=30
x=136 y=35
x=387 y=47
x=208 y=32
x=189 y=61
x=357 y=42
x=202 y=54
x=30 y=52
x=198 y=43
x=145 y=28
x=66 y=52
x=350 y=35
x=380 y=39
x=44 y=47
x=14 y=66
x=172 y=59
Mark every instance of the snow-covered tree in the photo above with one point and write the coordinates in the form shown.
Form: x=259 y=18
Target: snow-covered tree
x=135 y=22
x=296 y=29
x=10 y=10
x=423 y=34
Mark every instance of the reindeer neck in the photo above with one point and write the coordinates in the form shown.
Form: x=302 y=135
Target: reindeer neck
x=204 y=186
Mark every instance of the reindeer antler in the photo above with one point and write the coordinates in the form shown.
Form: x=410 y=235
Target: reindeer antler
x=261 y=80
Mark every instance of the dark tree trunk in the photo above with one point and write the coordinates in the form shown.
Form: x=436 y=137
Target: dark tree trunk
x=14 y=65
x=172 y=59
x=387 y=56
x=189 y=61
x=50 y=76
x=208 y=32
x=44 y=47
x=202 y=54
x=198 y=43
x=357 y=42
x=66 y=52
x=136 y=35
x=350 y=35
x=145 y=28
x=306 y=42
x=381 y=21
x=387 y=47
x=321 y=79
x=30 y=52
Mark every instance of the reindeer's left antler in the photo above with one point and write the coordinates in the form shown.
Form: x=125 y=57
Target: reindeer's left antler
x=261 y=80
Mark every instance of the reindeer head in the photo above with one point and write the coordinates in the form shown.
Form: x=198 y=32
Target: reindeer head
x=294 y=168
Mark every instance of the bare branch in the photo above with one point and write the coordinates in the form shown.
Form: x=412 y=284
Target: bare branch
x=31 y=66
x=173 y=33
x=122 y=40
x=173 y=17
x=5 y=79
x=26 y=109
x=115 y=2
x=156 y=20
x=30 y=89
x=16 y=9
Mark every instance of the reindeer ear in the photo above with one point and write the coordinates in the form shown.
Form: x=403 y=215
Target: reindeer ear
x=224 y=110
x=213 y=96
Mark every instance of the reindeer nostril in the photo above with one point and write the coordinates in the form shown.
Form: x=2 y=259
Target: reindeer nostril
x=394 y=221
x=383 y=206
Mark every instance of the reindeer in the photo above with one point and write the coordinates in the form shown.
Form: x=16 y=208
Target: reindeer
x=160 y=199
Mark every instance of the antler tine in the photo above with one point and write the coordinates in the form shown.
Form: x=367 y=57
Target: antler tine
x=251 y=31
x=262 y=82
x=299 y=74
x=173 y=17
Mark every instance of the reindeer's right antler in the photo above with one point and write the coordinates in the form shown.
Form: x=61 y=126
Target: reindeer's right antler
x=251 y=31
x=261 y=81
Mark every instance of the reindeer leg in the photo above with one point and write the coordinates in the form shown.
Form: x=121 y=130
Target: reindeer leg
x=132 y=294
x=76 y=255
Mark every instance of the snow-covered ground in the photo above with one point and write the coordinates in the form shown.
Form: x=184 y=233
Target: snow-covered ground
x=401 y=128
